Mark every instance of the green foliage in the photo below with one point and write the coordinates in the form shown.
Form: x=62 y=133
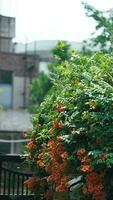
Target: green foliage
x=38 y=90
x=104 y=26
x=61 y=52
x=41 y=85
x=83 y=87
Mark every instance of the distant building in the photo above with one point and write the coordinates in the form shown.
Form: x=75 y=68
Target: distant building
x=43 y=48
x=7 y=32
x=16 y=72
x=16 y=69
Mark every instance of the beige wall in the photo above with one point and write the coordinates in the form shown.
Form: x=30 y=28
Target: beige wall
x=18 y=91
x=6 y=45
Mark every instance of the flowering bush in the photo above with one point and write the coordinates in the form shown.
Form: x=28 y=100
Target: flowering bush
x=73 y=130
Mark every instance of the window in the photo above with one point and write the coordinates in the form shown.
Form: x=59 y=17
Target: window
x=5 y=77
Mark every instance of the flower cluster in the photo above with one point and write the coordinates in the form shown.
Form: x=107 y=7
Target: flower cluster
x=94 y=186
x=33 y=184
x=60 y=107
x=57 y=167
x=56 y=125
x=31 y=144
x=85 y=160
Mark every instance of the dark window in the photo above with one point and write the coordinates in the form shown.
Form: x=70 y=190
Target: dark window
x=5 y=77
x=5 y=147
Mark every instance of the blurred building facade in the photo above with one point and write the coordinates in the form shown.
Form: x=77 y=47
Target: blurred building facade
x=16 y=69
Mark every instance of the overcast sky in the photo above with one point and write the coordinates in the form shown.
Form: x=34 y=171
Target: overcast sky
x=52 y=19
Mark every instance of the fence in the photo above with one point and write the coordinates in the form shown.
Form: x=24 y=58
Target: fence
x=12 y=176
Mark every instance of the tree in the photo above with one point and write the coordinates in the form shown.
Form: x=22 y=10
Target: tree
x=41 y=85
x=104 y=26
x=38 y=90
x=72 y=131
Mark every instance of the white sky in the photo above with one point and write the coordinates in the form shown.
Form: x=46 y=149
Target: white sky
x=52 y=19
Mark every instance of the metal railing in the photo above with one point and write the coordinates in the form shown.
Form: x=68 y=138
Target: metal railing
x=12 y=180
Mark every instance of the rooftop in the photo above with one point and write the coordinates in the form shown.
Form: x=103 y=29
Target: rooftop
x=43 y=47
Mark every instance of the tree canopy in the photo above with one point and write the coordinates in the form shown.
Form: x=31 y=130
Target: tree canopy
x=104 y=27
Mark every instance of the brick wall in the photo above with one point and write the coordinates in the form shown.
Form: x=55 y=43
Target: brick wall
x=19 y=64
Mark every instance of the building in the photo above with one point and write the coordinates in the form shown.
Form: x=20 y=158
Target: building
x=16 y=69
x=16 y=72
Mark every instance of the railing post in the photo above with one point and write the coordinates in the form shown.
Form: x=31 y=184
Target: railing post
x=12 y=145
x=0 y=174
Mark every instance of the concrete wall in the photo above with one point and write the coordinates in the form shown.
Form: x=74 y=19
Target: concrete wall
x=18 y=92
x=7 y=26
x=19 y=96
x=6 y=45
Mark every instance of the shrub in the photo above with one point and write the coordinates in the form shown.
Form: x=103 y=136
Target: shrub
x=73 y=129
x=38 y=91
x=41 y=85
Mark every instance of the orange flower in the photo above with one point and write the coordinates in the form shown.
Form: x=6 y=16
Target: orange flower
x=59 y=149
x=64 y=155
x=64 y=180
x=52 y=130
x=57 y=124
x=60 y=107
x=60 y=124
x=40 y=156
x=31 y=144
x=94 y=186
x=58 y=138
x=51 y=143
x=86 y=168
x=103 y=156
x=57 y=165
x=81 y=152
x=63 y=187
x=33 y=183
x=86 y=160
x=40 y=164
x=54 y=177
